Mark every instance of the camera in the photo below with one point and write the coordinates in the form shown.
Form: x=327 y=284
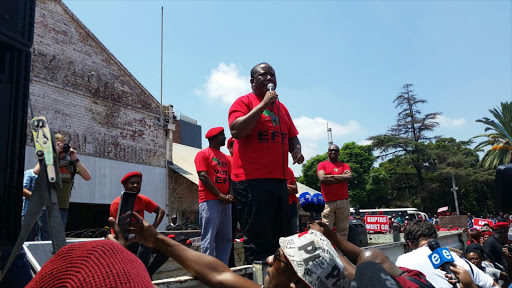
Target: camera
x=509 y=248
x=66 y=147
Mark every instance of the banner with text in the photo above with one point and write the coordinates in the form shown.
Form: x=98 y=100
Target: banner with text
x=479 y=222
x=377 y=223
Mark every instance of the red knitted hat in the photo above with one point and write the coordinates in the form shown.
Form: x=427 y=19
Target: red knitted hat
x=98 y=263
x=131 y=174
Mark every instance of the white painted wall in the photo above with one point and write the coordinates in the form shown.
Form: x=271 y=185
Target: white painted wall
x=105 y=184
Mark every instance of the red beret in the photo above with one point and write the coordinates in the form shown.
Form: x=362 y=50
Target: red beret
x=501 y=225
x=131 y=174
x=98 y=263
x=214 y=131
x=231 y=141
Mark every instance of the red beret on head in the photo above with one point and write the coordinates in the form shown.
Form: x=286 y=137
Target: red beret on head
x=501 y=225
x=131 y=174
x=231 y=141
x=214 y=131
x=97 y=263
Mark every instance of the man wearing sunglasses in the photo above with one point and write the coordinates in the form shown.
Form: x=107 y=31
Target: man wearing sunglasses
x=334 y=176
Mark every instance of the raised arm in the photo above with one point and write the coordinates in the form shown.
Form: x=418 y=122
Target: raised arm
x=82 y=170
x=206 y=268
x=243 y=125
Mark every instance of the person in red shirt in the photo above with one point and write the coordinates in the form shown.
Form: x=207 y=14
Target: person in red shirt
x=265 y=134
x=132 y=182
x=334 y=176
x=231 y=143
x=214 y=170
x=293 y=211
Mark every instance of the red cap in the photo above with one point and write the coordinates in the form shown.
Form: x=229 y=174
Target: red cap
x=214 y=131
x=501 y=225
x=131 y=174
x=98 y=263
x=231 y=142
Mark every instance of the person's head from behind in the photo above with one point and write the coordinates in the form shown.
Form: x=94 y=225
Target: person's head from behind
x=501 y=231
x=98 y=263
x=132 y=181
x=307 y=260
x=474 y=234
x=417 y=232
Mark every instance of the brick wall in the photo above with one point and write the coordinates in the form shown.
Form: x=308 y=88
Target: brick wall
x=182 y=194
x=88 y=95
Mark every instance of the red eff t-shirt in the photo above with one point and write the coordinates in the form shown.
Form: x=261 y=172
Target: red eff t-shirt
x=264 y=152
x=217 y=165
x=290 y=180
x=142 y=203
x=333 y=192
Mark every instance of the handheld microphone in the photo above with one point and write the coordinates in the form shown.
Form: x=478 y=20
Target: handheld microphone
x=271 y=87
x=305 y=202
x=319 y=202
x=441 y=257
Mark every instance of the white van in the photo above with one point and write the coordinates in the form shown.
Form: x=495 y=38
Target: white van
x=411 y=212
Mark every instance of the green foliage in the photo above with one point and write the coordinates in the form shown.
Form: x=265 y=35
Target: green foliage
x=309 y=177
x=408 y=135
x=368 y=185
x=499 y=139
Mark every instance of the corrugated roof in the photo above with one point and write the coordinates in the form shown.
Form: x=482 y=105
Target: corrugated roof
x=183 y=162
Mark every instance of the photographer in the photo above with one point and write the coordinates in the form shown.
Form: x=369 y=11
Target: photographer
x=69 y=166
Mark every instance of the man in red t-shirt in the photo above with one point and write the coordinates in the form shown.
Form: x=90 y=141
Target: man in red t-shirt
x=293 y=211
x=132 y=182
x=265 y=134
x=214 y=170
x=334 y=176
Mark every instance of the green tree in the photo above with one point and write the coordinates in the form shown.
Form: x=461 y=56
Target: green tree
x=408 y=135
x=308 y=176
x=367 y=185
x=498 y=138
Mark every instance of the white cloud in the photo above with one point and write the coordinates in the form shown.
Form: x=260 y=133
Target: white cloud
x=450 y=122
x=316 y=128
x=225 y=83
x=313 y=136
x=365 y=142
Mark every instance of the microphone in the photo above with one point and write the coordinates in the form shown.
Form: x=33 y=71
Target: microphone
x=319 y=202
x=441 y=257
x=271 y=87
x=306 y=203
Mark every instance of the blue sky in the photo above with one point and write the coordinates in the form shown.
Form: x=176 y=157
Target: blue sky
x=341 y=62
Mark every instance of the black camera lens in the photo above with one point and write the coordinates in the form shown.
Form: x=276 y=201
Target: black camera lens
x=66 y=147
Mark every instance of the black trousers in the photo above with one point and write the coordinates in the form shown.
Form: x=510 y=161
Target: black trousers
x=262 y=207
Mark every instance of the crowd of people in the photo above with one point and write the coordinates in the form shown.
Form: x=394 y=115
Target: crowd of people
x=255 y=189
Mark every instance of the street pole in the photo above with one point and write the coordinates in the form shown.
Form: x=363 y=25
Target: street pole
x=454 y=189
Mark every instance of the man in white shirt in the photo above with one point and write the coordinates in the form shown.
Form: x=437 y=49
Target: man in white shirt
x=417 y=234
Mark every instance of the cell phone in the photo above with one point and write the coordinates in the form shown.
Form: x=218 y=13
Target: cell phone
x=125 y=213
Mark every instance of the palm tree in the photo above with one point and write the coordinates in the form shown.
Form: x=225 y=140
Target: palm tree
x=499 y=139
